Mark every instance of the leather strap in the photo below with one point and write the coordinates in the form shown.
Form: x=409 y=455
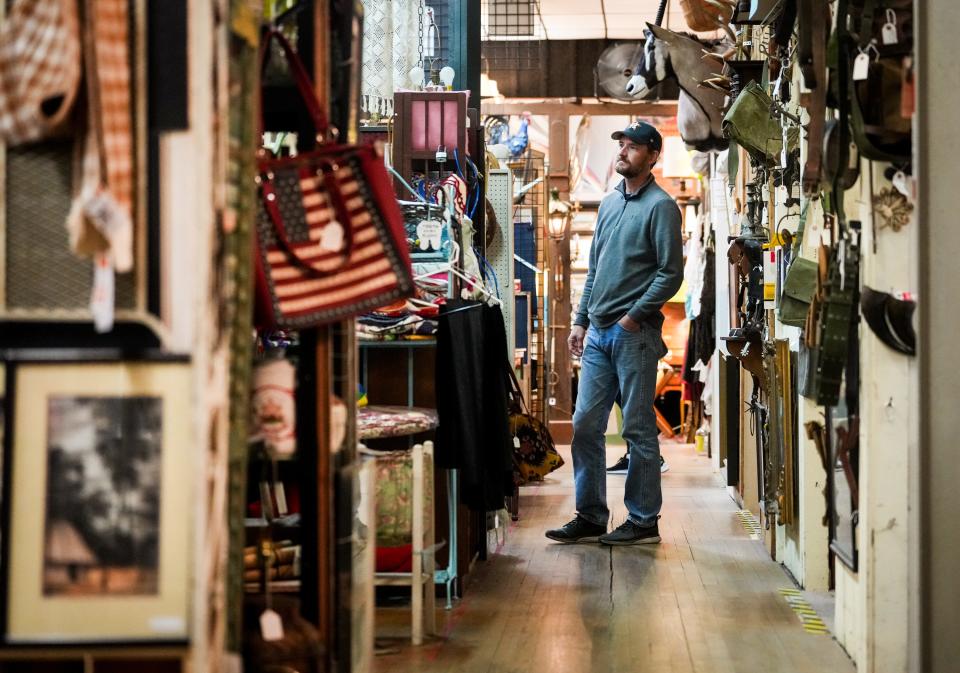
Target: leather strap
x=515 y=385
x=844 y=81
x=814 y=67
x=300 y=78
x=805 y=43
x=847 y=439
x=865 y=29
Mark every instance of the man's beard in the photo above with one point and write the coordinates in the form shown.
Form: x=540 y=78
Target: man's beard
x=628 y=171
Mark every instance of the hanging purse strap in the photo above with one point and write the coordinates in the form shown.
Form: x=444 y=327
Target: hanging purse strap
x=516 y=390
x=327 y=169
x=302 y=81
x=813 y=64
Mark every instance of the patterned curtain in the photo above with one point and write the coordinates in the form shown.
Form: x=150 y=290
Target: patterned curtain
x=391 y=47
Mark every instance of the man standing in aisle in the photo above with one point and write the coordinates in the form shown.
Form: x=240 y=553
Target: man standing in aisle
x=636 y=266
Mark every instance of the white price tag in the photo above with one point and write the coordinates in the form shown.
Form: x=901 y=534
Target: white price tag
x=332 y=237
x=888 y=34
x=861 y=67
x=430 y=233
x=900 y=183
x=103 y=294
x=271 y=626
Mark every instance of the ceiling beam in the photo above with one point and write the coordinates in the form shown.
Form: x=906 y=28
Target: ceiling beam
x=573 y=106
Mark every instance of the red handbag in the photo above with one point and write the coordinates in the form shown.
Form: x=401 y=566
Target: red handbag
x=330 y=237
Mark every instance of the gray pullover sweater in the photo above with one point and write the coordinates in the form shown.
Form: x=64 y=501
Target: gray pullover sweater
x=636 y=259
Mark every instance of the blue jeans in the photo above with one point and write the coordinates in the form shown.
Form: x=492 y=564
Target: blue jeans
x=617 y=360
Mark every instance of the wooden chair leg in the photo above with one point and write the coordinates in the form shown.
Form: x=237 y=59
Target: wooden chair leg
x=416 y=579
x=430 y=560
x=664 y=425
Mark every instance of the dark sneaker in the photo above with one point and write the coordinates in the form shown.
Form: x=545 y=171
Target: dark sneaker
x=630 y=533
x=664 y=465
x=620 y=467
x=578 y=530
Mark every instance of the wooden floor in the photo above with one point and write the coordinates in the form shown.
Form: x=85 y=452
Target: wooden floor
x=704 y=600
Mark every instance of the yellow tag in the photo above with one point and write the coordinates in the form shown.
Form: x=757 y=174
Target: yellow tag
x=245 y=24
x=769 y=292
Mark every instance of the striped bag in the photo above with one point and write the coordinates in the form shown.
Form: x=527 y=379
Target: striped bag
x=330 y=236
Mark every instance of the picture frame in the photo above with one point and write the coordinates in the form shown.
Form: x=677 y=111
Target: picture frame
x=97 y=501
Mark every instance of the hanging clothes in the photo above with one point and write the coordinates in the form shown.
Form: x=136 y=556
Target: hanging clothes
x=472 y=388
x=702 y=340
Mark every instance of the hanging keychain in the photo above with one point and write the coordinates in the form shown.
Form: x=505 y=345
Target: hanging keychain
x=889 y=31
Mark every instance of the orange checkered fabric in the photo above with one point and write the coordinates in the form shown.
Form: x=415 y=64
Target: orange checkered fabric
x=101 y=218
x=39 y=69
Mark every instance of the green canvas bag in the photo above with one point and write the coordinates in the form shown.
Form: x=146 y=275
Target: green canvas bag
x=800 y=282
x=749 y=123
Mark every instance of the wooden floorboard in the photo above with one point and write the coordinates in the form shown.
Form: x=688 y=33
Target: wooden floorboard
x=705 y=600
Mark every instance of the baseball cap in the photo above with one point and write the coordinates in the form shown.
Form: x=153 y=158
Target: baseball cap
x=641 y=133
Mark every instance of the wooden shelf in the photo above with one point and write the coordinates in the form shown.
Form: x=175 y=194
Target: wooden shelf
x=398 y=343
x=276 y=587
x=45 y=658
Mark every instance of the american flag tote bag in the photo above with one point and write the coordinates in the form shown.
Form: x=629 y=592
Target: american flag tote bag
x=330 y=236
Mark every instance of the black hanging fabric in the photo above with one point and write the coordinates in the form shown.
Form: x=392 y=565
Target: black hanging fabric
x=472 y=387
x=702 y=337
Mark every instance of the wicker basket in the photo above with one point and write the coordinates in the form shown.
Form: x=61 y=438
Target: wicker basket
x=703 y=16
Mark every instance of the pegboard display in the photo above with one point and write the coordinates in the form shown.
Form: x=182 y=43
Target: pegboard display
x=500 y=250
x=529 y=222
x=42 y=278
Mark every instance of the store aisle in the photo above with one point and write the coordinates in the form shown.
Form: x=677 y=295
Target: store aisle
x=705 y=600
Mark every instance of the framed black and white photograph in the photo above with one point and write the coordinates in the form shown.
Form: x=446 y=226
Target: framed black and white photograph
x=99 y=502
x=102 y=523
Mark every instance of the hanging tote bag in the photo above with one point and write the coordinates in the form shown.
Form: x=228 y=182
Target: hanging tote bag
x=534 y=453
x=800 y=283
x=330 y=237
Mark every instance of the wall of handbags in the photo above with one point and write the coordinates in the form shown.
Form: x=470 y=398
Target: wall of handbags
x=817 y=204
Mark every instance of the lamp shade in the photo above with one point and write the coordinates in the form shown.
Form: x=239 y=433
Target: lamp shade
x=676 y=159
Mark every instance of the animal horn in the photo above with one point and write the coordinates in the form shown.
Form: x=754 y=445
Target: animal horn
x=661 y=11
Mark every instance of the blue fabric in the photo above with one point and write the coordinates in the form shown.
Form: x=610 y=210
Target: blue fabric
x=525 y=246
x=617 y=360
